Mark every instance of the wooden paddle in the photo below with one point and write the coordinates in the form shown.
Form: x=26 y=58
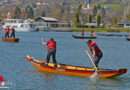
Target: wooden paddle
x=96 y=69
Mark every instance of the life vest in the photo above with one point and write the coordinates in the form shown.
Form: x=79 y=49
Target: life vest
x=52 y=44
x=97 y=50
x=82 y=31
x=12 y=30
x=7 y=30
x=91 y=31
x=1 y=79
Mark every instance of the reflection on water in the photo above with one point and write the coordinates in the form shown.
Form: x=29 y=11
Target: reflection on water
x=49 y=77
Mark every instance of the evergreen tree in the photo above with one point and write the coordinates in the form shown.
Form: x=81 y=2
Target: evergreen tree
x=90 y=18
x=103 y=12
x=77 y=15
x=76 y=22
x=17 y=13
x=99 y=6
x=29 y=13
x=95 y=11
x=128 y=17
x=98 y=20
x=114 y=22
x=43 y=13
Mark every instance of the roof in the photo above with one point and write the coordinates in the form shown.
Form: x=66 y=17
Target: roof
x=49 y=19
x=91 y=8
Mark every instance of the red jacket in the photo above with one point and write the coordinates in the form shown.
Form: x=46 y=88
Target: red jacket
x=12 y=30
x=7 y=30
x=91 y=31
x=97 y=50
x=52 y=44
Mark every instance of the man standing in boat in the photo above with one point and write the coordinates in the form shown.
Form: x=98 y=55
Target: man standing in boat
x=7 y=32
x=51 y=50
x=97 y=53
x=92 y=33
x=82 y=32
x=12 y=32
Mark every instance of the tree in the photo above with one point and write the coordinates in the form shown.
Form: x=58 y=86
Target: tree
x=17 y=13
x=98 y=6
x=43 y=13
x=95 y=11
x=3 y=14
x=114 y=22
x=128 y=17
x=29 y=13
x=77 y=15
x=98 y=20
x=90 y=18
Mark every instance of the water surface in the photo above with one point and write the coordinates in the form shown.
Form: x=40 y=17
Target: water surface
x=16 y=69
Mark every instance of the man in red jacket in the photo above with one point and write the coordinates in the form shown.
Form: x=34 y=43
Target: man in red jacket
x=12 y=32
x=7 y=32
x=51 y=50
x=82 y=32
x=97 y=53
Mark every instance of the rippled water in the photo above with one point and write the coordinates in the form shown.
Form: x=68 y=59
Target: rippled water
x=23 y=76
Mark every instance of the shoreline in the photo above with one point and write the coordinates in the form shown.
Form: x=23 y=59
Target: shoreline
x=76 y=29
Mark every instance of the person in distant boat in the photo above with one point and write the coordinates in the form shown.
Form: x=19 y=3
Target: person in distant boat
x=13 y=32
x=51 y=50
x=97 y=53
x=7 y=32
x=92 y=33
x=82 y=32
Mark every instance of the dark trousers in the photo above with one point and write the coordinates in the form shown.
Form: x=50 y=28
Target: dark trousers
x=13 y=34
x=6 y=35
x=97 y=58
x=51 y=52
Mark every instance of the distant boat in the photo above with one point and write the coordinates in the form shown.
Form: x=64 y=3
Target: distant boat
x=112 y=34
x=84 y=37
x=20 y=25
x=128 y=39
x=10 y=39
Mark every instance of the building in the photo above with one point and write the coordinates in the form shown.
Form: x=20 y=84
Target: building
x=43 y=23
x=87 y=7
x=127 y=24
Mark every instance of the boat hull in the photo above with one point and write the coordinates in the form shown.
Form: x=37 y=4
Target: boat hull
x=83 y=37
x=128 y=39
x=73 y=70
x=10 y=40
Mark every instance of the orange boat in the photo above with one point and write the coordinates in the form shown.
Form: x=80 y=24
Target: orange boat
x=10 y=39
x=73 y=70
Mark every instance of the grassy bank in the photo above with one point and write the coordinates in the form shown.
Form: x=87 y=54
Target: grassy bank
x=101 y=29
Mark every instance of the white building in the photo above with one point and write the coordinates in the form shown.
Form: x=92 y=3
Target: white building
x=127 y=24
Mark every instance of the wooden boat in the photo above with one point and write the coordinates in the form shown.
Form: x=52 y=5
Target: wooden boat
x=112 y=34
x=128 y=39
x=73 y=70
x=83 y=37
x=10 y=39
